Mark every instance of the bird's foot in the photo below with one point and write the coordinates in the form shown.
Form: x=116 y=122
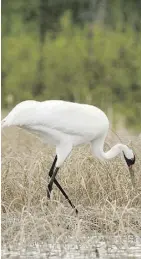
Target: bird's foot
x=49 y=191
x=48 y=194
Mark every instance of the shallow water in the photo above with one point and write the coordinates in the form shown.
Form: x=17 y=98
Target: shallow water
x=75 y=250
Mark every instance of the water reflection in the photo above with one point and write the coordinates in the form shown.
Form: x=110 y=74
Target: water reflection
x=89 y=249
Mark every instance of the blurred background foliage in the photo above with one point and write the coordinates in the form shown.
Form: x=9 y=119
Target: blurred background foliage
x=78 y=50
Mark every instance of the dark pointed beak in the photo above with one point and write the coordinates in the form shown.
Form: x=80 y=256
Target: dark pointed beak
x=132 y=175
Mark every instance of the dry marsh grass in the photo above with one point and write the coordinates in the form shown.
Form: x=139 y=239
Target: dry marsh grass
x=103 y=193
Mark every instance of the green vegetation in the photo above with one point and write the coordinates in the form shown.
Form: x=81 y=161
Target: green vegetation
x=49 y=52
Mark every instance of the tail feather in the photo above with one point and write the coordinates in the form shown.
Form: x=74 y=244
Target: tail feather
x=4 y=123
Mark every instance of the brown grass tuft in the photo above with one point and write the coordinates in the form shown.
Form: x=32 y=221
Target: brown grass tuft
x=103 y=193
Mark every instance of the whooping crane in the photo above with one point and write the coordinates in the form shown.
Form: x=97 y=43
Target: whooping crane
x=65 y=125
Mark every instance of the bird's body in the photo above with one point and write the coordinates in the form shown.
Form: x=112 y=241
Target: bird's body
x=59 y=120
x=66 y=124
x=60 y=123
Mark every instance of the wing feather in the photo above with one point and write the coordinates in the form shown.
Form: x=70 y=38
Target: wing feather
x=69 y=118
x=73 y=118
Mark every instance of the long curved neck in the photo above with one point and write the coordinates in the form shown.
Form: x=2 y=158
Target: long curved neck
x=113 y=152
x=97 y=148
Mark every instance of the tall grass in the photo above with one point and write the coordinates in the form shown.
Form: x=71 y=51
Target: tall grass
x=102 y=191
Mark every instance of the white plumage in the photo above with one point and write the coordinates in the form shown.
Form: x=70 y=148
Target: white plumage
x=65 y=124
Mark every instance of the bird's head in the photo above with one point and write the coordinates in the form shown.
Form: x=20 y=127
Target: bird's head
x=130 y=161
x=129 y=158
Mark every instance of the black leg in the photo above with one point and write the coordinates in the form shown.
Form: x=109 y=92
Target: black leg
x=58 y=185
x=51 y=173
x=54 y=173
x=53 y=166
x=65 y=195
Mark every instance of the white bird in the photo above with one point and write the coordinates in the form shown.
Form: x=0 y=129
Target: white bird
x=65 y=125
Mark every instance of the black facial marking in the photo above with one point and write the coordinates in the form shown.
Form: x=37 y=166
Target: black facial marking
x=129 y=161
